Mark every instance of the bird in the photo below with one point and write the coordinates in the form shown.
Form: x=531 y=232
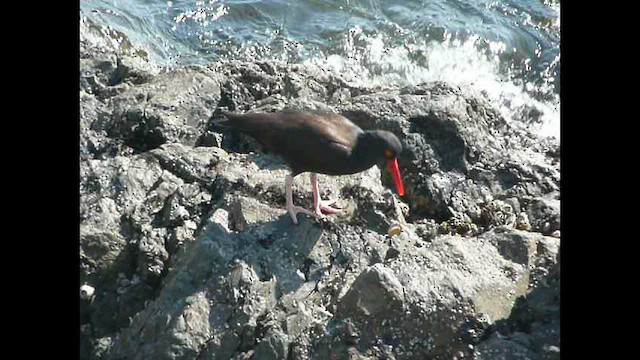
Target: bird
x=318 y=142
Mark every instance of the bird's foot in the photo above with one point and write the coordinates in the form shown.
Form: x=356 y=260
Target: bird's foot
x=324 y=207
x=294 y=210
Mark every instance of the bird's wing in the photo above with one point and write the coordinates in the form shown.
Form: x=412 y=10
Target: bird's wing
x=323 y=140
x=328 y=127
x=308 y=141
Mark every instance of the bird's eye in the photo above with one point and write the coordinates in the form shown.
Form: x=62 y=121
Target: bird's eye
x=388 y=154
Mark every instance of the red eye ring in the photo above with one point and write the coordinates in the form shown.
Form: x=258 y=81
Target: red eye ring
x=388 y=154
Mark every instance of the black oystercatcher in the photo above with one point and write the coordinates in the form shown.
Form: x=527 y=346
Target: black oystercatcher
x=319 y=142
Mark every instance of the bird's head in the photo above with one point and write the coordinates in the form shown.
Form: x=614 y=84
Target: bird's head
x=387 y=146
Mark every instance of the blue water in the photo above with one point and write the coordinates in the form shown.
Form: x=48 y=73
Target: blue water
x=507 y=49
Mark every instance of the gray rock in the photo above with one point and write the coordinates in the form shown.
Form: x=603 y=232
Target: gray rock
x=459 y=152
x=173 y=107
x=178 y=323
x=109 y=62
x=246 y=211
x=545 y=212
x=420 y=301
x=375 y=291
x=94 y=122
x=190 y=164
x=274 y=346
x=152 y=253
x=184 y=235
x=533 y=326
x=517 y=246
x=502 y=349
x=111 y=191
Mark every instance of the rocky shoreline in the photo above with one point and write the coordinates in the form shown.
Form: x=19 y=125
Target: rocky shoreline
x=185 y=240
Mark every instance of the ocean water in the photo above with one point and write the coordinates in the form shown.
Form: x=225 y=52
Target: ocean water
x=507 y=49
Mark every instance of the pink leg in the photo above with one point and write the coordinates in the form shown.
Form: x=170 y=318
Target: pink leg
x=292 y=209
x=321 y=207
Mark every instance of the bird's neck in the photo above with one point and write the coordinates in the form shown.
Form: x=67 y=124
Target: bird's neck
x=367 y=151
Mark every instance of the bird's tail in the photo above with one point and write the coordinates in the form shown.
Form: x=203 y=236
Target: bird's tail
x=247 y=122
x=221 y=119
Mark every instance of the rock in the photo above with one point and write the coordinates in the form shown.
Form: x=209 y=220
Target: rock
x=94 y=122
x=273 y=346
x=502 y=349
x=184 y=236
x=375 y=291
x=246 y=211
x=522 y=222
x=102 y=347
x=190 y=164
x=147 y=107
x=545 y=213
x=533 y=326
x=173 y=107
x=421 y=301
x=461 y=151
x=113 y=192
x=108 y=59
x=99 y=251
x=177 y=323
x=517 y=246
x=152 y=252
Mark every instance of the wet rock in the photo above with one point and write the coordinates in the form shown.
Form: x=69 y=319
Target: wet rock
x=459 y=152
x=268 y=84
x=108 y=59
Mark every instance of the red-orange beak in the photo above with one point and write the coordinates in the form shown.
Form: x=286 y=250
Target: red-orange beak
x=392 y=166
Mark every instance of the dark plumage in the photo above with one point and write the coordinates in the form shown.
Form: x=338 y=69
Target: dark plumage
x=319 y=142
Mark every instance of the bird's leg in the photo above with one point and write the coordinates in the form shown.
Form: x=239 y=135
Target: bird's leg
x=321 y=207
x=292 y=209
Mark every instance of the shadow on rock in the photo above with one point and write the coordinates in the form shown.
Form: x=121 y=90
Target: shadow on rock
x=223 y=286
x=532 y=330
